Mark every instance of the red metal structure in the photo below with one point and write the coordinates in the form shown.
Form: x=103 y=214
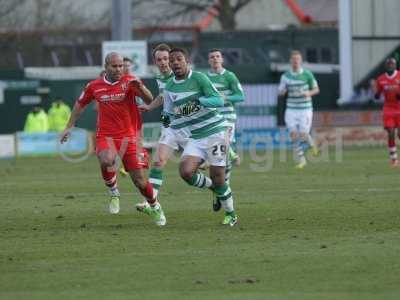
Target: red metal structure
x=298 y=12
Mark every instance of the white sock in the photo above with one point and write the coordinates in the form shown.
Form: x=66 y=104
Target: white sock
x=300 y=154
x=114 y=192
x=227 y=205
x=310 y=140
x=393 y=153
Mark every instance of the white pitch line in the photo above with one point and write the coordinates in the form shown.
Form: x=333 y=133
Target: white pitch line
x=275 y=192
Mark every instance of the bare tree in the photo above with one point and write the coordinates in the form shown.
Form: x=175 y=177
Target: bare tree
x=7 y=7
x=188 y=9
x=32 y=15
x=227 y=12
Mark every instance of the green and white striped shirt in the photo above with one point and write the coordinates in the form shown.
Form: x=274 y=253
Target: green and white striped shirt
x=192 y=103
x=228 y=85
x=296 y=84
x=162 y=81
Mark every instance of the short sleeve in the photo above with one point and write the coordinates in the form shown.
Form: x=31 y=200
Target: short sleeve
x=282 y=84
x=312 y=82
x=378 y=86
x=168 y=106
x=207 y=87
x=86 y=96
x=234 y=84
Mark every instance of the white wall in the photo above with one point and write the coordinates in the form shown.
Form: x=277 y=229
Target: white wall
x=375 y=19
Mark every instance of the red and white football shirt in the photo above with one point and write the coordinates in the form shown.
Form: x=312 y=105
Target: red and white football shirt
x=389 y=86
x=118 y=115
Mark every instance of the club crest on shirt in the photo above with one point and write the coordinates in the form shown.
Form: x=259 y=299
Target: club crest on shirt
x=124 y=86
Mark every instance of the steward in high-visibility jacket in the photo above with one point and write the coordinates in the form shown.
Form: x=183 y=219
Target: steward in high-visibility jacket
x=36 y=121
x=59 y=114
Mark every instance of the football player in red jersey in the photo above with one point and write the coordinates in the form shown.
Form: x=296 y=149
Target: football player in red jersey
x=388 y=85
x=118 y=130
x=127 y=70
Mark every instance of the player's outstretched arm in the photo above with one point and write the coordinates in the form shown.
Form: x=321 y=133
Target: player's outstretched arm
x=375 y=89
x=212 y=101
x=236 y=88
x=158 y=101
x=75 y=114
x=143 y=91
x=282 y=89
x=211 y=97
x=312 y=92
x=313 y=85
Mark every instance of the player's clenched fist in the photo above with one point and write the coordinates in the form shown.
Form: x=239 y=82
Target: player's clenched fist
x=144 y=108
x=64 y=135
x=136 y=83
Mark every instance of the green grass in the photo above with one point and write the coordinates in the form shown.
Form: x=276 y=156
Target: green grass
x=330 y=231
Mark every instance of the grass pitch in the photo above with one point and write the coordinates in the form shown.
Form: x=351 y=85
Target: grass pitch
x=330 y=231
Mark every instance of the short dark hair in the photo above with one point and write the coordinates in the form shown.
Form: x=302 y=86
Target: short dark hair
x=180 y=50
x=295 y=52
x=391 y=60
x=128 y=59
x=214 y=50
x=161 y=47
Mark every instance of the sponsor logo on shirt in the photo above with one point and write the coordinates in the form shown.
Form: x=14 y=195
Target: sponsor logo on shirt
x=100 y=90
x=189 y=108
x=112 y=97
x=391 y=87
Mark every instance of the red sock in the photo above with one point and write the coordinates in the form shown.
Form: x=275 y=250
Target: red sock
x=392 y=149
x=110 y=178
x=147 y=192
x=391 y=142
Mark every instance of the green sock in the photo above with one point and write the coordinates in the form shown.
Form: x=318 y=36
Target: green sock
x=228 y=172
x=156 y=179
x=200 y=180
x=232 y=154
x=231 y=213
x=224 y=195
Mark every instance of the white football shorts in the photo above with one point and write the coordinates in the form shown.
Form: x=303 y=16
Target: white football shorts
x=212 y=149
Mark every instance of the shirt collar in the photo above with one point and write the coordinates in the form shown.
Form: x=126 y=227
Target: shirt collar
x=212 y=73
x=183 y=80
x=391 y=76
x=301 y=70
x=109 y=82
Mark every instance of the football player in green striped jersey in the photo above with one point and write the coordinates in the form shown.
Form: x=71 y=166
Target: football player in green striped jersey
x=230 y=88
x=171 y=139
x=299 y=85
x=192 y=100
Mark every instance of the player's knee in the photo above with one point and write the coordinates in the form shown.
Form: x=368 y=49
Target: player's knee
x=106 y=162
x=293 y=136
x=160 y=163
x=391 y=133
x=139 y=181
x=106 y=159
x=186 y=173
x=303 y=136
x=218 y=180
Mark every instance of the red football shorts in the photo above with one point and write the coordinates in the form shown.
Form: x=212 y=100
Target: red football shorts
x=131 y=152
x=391 y=119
